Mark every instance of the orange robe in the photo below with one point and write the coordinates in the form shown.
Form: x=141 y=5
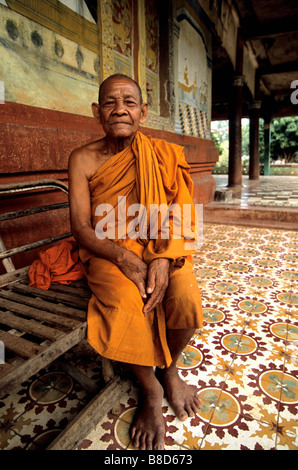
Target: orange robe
x=150 y=171
x=58 y=264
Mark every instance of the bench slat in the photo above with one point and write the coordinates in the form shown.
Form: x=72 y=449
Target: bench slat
x=49 y=295
x=29 y=326
x=14 y=303
x=18 y=345
x=17 y=375
x=78 y=292
x=43 y=304
x=13 y=276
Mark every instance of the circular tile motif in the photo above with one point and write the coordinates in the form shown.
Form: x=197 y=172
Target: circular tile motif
x=50 y=388
x=206 y=272
x=212 y=315
x=226 y=287
x=239 y=268
x=220 y=406
x=291 y=257
x=285 y=331
x=253 y=241
x=290 y=275
x=267 y=262
x=206 y=247
x=122 y=428
x=252 y=306
x=240 y=344
x=288 y=298
x=279 y=386
x=230 y=244
x=271 y=248
x=246 y=252
x=260 y=281
x=190 y=358
x=220 y=256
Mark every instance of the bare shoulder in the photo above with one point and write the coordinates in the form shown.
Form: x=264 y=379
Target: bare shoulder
x=87 y=159
x=88 y=151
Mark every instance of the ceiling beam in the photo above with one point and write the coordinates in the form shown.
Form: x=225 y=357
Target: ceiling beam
x=275 y=28
x=280 y=68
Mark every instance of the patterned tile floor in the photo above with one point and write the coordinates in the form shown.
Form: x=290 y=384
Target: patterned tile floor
x=244 y=362
x=277 y=191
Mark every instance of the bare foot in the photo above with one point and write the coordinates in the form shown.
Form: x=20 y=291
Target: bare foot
x=181 y=397
x=148 y=429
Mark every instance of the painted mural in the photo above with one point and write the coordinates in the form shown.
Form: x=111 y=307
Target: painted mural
x=42 y=68
x=194 y=82
x=122 y=31
x=152 y=36
x=53 y=56
x=122 y=22
x=152 y=55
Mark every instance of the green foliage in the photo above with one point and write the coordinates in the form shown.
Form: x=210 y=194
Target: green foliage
x=284 y=139
x=220 y=135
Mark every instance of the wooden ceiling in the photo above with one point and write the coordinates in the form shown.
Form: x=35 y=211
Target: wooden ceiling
x=271 y=28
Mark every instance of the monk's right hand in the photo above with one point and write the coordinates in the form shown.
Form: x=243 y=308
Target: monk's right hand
x=136 y=270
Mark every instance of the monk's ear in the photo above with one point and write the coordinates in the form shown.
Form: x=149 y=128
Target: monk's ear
x=144 y=113
x=96 y=111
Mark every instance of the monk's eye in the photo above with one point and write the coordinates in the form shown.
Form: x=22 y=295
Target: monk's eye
x=130 y=103
x=109 y=104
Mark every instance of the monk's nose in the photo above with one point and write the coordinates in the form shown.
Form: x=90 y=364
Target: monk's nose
x=119 y=108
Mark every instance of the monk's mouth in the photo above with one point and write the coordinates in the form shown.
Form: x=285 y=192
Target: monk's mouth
x=121 y=122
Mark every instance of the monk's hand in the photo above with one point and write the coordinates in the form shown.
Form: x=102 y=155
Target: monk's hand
x=136 y=270
x=157 y=283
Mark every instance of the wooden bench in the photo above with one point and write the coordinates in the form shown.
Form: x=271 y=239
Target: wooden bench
x=38 y=326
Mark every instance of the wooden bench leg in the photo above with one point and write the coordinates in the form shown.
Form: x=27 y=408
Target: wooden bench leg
x=107 y=370
x=90 y=416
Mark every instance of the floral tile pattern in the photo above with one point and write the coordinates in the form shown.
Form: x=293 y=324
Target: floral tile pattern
x=244 y=361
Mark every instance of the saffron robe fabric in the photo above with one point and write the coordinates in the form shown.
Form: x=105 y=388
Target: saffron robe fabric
x=58 y=264
x=150 y=171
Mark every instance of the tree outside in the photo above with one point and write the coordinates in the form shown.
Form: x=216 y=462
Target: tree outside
x=283 y=145
x=284 y=140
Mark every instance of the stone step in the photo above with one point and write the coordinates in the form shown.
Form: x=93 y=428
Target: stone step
x=258 y=216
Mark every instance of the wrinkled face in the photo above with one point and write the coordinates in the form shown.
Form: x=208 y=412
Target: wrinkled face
x=120 y=110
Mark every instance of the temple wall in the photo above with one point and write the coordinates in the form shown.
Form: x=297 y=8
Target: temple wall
x=52 y=61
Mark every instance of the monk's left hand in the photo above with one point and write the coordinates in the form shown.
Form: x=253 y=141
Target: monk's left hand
x=157 y=283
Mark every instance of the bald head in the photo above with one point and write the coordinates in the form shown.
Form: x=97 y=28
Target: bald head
x=118 y=76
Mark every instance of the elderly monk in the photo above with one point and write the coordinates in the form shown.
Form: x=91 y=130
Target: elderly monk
x=145 y=303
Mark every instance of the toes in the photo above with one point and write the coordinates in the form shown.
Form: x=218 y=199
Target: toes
x=143 y=441
x=188 y=410
x=197 y=403
x=159 y=441
x=135 y=435
x=181 y=413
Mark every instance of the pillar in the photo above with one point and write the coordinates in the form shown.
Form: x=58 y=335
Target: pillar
x=235 y=116
x=254 y=138
x=106 y=39
x=141 y=45
x=267 y=125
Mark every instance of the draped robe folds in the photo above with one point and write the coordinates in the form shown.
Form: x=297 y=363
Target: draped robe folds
x=150 y=171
